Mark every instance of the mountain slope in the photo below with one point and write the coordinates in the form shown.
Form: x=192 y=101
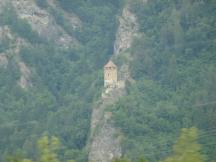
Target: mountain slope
x=52 y=54
x=50 y=57
x=174 y=68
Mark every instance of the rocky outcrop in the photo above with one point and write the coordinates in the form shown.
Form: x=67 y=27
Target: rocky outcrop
x=105 y=140
x=106 y=145
x=25 y=72
x=43 y=22
x=24 y=81
x=14 y=45
x=127 y=30
x=5 y=34
x=71 y=18
x=3 y=61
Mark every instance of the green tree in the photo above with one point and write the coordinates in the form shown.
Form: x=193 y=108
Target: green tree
x=26 y=160
x=121 y=160
x=47 y=148
x=16 y=157
x=71 y=161
x=142 y=160
x=186 y=148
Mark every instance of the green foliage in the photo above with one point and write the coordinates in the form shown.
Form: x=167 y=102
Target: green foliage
x=48 y=148
x=4 y=44
x=142 y=160
x=26 y=160
x=60 y=19
x=173 y=65
x=121 y=160
x=17 y=157
x=127 y=160
x=42 y=3
x=99 y=25
x=186 y=148
x=66 y=82
x=17 y=25
x=173 y=58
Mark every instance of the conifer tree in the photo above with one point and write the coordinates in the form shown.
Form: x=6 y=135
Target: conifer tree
x=48 y=148
x=186 y=148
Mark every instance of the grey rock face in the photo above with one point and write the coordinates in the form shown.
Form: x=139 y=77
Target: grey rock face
x=3 y=61
x=105 y=141
x=128 y=28
x=44 y=23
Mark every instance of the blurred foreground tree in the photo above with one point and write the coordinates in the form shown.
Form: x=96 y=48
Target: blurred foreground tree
x=186 y=148
x=121 y=160
x=47 y=148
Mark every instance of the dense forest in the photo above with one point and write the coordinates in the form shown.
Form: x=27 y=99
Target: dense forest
x=169 y=111
x=65 y=81
x=174 y=68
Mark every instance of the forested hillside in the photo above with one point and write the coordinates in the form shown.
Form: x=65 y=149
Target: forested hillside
x=51 y=77
x=64 y=82
x=174 y=65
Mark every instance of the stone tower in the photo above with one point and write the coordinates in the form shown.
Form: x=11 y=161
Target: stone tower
x=110 y=75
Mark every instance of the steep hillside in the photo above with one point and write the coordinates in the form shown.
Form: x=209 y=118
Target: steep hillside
x=174 y=68
x=51 y=56
x=105 y=140
x=52 y=53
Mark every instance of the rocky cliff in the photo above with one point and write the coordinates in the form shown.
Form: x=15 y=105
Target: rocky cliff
x=105 y=140
x=14 y=43
x=127 y=30
x=43 y=22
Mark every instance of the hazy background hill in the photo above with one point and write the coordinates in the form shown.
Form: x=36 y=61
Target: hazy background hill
x=51 y=58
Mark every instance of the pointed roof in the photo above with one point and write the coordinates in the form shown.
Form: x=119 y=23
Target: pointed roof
x=110 y=64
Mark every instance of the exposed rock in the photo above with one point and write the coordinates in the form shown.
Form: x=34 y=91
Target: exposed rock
x=125 y=74
x=3 y=61
x=24 y=80
x=105 y=138
x=15 y=46
x=2 y=3
x=105 y=146
x=42 y=22
x=105 y=141
x=5 y=33
x=128 y=28
x=73 y=20
x=127 y=31
x=51 y=3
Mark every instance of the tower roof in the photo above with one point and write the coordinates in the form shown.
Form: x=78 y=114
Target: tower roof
x=110 y=64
